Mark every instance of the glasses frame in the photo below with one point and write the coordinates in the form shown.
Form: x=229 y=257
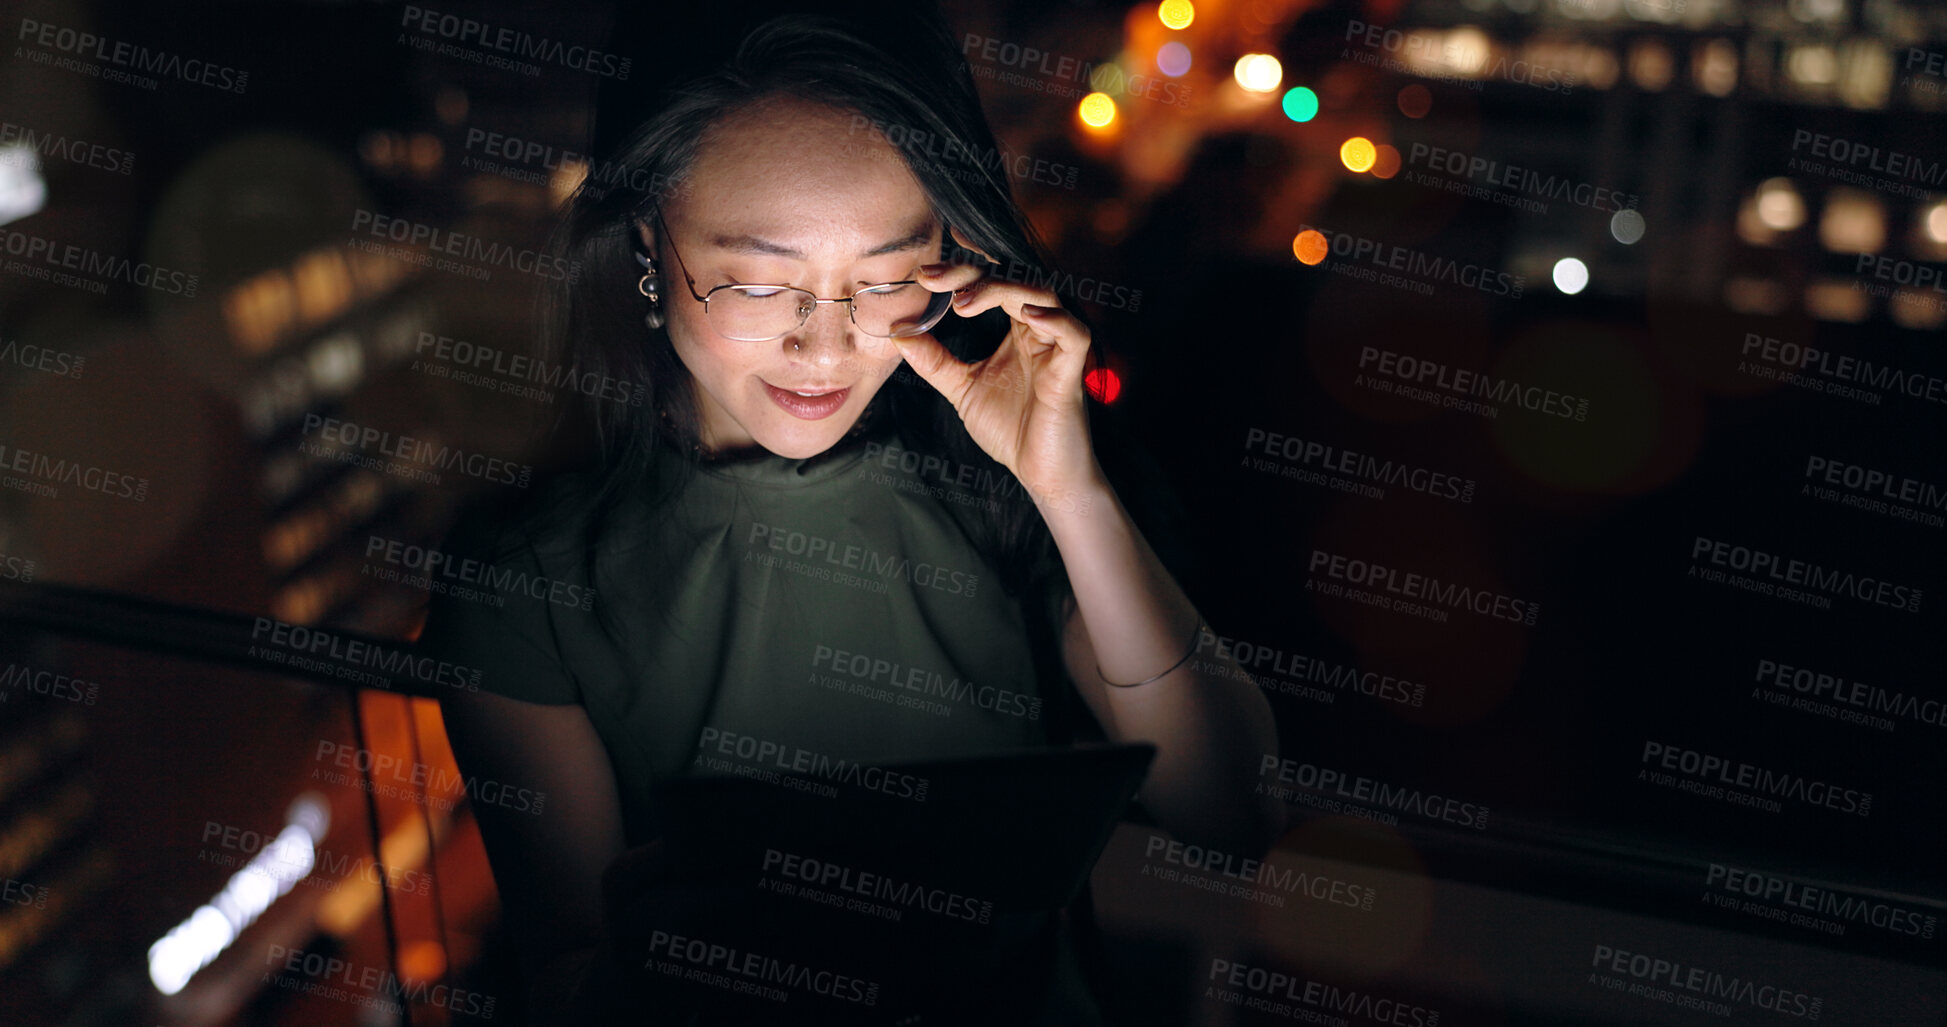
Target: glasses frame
x=805 y=308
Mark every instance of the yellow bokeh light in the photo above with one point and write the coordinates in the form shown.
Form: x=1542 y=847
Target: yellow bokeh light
x=1097 y=110
x=1258 y=72
x=1177 y=14
x=1358 y=154
x=1309 y=246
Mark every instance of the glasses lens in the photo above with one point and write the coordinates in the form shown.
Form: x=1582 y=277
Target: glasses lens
x=899 y=310
x=757 y=313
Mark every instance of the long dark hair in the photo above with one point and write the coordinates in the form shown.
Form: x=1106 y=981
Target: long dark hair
x=904 y=75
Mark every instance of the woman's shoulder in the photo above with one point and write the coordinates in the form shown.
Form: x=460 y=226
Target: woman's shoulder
x=563 y=513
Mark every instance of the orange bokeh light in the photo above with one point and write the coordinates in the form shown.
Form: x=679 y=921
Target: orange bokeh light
x=1385 y=162
x=1309 y=246
x=1415 y=101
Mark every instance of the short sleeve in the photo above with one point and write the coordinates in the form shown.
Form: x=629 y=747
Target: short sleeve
x=492 y=615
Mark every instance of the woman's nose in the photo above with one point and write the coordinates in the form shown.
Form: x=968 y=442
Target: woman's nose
x=825 y=335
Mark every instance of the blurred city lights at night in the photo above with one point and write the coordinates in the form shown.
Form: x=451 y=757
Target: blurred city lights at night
x=1385 y=161
x=1309 y=246
x=1176 y=14
x=1258 y=72
x=1300 y=104
x=1173 y=58
x=1096 y=110
x=1779 y=205
x=1937 y=222
x=1571 y=275
x=1358 y=154
x=1104 y=384
x=1415 y=101
x=1627 y=226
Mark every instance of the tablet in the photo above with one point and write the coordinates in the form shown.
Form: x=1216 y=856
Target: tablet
x=1019 y=830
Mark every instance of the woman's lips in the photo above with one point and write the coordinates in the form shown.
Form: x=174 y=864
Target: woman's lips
x=809 y=408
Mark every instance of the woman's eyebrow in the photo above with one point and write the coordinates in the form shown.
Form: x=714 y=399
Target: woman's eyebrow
x=920 y=235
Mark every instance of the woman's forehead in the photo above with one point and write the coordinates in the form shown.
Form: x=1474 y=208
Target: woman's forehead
x=798 y=188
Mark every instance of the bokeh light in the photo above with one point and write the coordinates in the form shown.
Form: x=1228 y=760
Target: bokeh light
x=1309 y=246
x=1104 y=384
x=1173 y=58
x=23 y=192
x=422 y=960
x=1385 y=162
x=1627 y=226
x=1358 y=154
x=1651 y=66
x=1258 y=72
x=1779 y=205
x=1176 y=14
x=1415 y=101
x=1300 y=104
x=1937 y=222
x=1912 y=309
x=1836 y=298
x=1571 y=275
x=1714 y=67
x=1466 y=50
x=1096 y=110
x=1853 y=221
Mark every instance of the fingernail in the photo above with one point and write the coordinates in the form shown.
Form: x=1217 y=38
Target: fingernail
x=963 y=297
x=929 y=270
x=1036 y=310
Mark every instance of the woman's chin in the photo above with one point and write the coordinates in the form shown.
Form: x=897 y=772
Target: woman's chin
x=806 y=439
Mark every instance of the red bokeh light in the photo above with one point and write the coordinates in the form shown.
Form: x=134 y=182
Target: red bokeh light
x=1104 y=384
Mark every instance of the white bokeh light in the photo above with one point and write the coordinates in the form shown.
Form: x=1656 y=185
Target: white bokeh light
x=279 y=865
x=1571 y=275
x=1627 y=226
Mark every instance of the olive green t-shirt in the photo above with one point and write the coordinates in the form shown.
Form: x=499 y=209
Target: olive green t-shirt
x=830 y=608
x=771 y=615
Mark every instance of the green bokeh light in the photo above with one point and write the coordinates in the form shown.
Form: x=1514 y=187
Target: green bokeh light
x=1300 y=104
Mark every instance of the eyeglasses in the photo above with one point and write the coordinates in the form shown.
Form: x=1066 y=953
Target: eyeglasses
x=760 y=313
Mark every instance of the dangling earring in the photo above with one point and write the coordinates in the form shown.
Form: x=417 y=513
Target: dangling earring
x=650 y=286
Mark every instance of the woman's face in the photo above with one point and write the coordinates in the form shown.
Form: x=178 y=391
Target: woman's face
x=787 y=193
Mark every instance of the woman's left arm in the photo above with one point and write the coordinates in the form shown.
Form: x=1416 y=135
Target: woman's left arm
x=1024 y=405
x=1210 y=724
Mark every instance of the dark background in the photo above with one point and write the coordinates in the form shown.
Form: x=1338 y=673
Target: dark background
x=1699 y=110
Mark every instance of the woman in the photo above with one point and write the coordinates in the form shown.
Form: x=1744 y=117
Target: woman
x=808 y=483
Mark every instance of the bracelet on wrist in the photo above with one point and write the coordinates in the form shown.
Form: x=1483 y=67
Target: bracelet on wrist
x=1194 y=636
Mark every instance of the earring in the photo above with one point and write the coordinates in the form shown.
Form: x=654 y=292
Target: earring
x=650 y=286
